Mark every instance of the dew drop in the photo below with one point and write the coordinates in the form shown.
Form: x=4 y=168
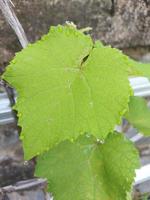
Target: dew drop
x=100 y=141
x=26 y=163
x=88 y=136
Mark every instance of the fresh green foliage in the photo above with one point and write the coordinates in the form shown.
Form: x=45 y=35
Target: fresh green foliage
x=144 y=68
x=88 y=169
x=138 y=68
x=139 y=115
x=67 y=86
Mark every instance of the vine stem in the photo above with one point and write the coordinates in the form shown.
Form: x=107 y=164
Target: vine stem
x=7 y=9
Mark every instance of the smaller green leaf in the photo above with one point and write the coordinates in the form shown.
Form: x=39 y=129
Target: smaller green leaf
x=88 y=169
x=138 y=68
x=139 y=115
x=98 y=44
x=144 y=68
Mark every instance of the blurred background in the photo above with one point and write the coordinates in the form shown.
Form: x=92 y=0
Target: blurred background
x=124 y=24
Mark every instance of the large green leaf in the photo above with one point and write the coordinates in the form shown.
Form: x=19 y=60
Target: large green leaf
x=88 y=169
x=67 y=86
x=139 y=115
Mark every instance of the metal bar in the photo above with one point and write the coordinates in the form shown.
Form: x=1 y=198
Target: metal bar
x=142 y=174
x=28 y=189
x=141 y=86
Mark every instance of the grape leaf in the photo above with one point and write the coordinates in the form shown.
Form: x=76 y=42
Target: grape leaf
x=144 y=68
x=87 y=169
x=139 y=115
x=67 y=86
x=138 y=68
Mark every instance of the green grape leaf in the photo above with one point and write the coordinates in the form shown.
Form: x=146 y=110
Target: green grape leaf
x=139 y=115
x=138 y=68
x=98 y=44
x=144 y=68
x=67 y=86
x=88 y=169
